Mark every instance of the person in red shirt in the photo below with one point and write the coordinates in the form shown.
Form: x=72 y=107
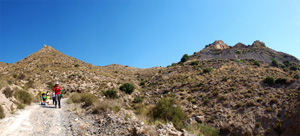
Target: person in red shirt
x=56 y=90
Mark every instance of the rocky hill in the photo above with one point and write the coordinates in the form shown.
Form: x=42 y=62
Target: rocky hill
x=240 y=90
x=257 y=51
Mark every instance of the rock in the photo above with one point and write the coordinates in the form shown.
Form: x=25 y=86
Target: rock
x=220 y=45
x=200 y=119
x=239 y=45
x=258 y=43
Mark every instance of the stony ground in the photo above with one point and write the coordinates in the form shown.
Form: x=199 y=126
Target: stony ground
x=37 y=120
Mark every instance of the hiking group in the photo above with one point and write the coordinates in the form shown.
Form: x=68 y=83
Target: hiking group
x=56 y=96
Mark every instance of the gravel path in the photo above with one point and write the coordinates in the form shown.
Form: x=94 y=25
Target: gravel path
x=37 y=120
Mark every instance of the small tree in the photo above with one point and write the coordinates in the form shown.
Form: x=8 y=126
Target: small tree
x=127 y=88
x=185 y=57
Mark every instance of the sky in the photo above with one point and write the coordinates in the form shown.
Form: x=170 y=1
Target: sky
x=143 y=33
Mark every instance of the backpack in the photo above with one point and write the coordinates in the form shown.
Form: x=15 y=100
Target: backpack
x=61 y=95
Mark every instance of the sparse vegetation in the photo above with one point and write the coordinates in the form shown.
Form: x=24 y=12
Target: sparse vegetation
x=127 y=88
x=21 y=106
x=2 y=115
x=167 y=110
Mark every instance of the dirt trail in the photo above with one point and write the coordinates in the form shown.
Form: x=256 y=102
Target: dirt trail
x=36 y=120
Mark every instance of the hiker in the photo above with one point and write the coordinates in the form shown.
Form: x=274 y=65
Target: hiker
x=47 y=98
x=44 y=98
x=53 y=97
x=57 y=90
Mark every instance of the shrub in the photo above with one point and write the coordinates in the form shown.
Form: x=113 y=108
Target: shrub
x=21 y=106
x=238 y=52
x=138 y=99
x=184 y=58
x=275 y=62
x=21 y=76
x=142 y=83
x=75 y=97
x=250 y=103
x=2 y=115
x=76 y=65
x=269 y=109
x=127 y=88
x=257 y=63
x=207 y=130
x=166 y=110
x=195 y=62
x=24 y=97
x=269 y=80
x=285 y=70
x=297 y=76
x=294 y=68
x=239 y=104
x=8 y=92
x=280 y=81
x=287 y=63
x=207 y=70
x=88 y=99
x=111 y=94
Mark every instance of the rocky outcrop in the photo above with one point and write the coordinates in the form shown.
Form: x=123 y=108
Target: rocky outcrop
x=239 y=45
x=220 y=45
x=257 y=44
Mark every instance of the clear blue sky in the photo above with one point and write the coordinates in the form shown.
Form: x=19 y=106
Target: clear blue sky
x=144 y=33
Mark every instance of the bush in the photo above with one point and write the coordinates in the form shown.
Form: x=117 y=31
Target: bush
x=257 y=63
x=207 y=130
x=112 y=94
x=184 y=58
x=138 y=99
x=297 y=76
x=8 y=92
x=275 y=62
x=238 y=52
x=195 y=63
x=21 y=76
x=24 y=97
x=294 y=68
x=75 y=97
x=269 y=109
x=21 y=106
x=269 y=80
x=287 y=63
x=207 y=70
x=127 y=88
x=166 y=110
x=2 y=115
x=88 y=99
x=280 y=81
